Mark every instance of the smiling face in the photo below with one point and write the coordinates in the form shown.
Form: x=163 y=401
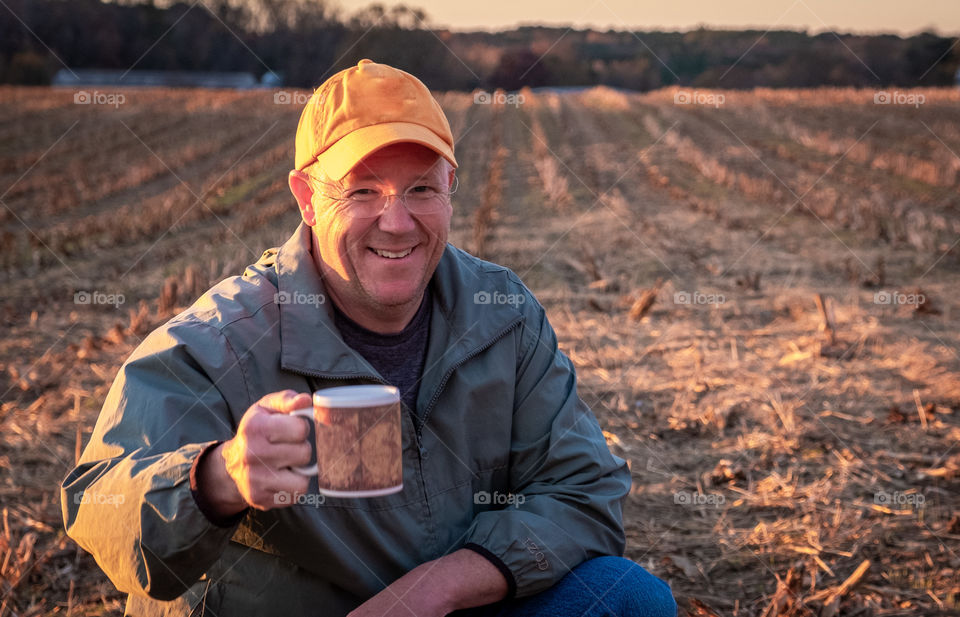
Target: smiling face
x=376 y=269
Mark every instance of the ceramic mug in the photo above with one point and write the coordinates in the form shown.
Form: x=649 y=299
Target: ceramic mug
x=359 y=441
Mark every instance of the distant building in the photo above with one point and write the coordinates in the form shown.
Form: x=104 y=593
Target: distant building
x=274 y=80
x=164 y=79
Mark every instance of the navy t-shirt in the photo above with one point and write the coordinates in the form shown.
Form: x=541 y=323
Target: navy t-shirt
x=397 y=357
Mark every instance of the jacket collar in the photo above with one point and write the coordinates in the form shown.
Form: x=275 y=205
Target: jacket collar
x=459 y=326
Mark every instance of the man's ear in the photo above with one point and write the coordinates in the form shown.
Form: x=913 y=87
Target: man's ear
x=300 y=187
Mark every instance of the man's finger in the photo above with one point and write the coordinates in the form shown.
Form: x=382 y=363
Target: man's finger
x=286 y=489
x=282 y=428
x=290 y=483
x=291 y=455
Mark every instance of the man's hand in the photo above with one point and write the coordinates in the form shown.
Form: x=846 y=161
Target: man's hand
x=462 y=579
x=253 y=467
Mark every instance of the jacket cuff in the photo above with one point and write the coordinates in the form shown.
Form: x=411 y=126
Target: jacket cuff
x=205 y=507
x=496 y=561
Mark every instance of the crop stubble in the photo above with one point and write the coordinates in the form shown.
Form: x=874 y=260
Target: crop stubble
x=757 y=445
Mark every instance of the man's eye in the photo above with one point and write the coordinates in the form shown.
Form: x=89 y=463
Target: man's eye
x=361 y=194
x=423 y=190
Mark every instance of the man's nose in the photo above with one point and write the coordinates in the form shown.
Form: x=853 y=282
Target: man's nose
x=395 y=218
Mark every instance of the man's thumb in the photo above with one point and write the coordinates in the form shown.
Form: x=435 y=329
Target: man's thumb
x=285 y=401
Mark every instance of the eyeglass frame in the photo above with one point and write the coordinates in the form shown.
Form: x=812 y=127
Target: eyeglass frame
x=444 y=197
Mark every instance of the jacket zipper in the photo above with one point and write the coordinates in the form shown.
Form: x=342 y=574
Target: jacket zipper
x=443 y=382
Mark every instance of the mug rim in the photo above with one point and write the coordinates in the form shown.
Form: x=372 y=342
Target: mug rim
x=363 y=395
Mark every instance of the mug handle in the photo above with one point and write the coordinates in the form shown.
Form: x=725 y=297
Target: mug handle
x=306 y=470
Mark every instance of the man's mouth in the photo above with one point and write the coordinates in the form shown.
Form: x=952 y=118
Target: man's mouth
x=392 y=254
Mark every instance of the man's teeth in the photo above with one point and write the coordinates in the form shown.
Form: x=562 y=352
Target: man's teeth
x=391 y=254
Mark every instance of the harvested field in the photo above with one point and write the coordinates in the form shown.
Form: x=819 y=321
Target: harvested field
x=760 y=294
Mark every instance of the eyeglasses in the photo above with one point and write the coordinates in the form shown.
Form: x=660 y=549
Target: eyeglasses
x=370 y=202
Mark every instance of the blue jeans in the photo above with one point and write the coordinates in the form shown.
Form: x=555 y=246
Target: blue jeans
x=600 y=587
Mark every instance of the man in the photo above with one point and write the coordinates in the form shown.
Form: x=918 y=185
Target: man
x=511 y=500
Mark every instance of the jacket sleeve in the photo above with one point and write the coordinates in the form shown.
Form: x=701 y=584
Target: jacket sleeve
x=571 y=485
x=128 y=501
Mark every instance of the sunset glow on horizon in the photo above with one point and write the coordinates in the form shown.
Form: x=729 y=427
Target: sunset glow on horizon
x=856 y=16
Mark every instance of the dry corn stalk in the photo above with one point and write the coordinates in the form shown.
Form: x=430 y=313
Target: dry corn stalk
x=644 y=302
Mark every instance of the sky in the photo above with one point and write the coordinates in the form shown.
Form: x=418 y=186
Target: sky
x=861 y=16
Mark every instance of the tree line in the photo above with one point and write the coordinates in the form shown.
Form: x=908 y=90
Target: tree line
x=305 y=41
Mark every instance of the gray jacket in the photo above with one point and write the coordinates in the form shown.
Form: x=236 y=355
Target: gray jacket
x=504 y=455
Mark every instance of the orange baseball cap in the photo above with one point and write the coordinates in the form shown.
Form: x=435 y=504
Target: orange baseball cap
x=364 y=108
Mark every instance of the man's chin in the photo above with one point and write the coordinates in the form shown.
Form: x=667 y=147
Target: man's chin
x=396 y=298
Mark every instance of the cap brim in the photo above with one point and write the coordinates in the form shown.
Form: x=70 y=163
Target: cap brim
x=337 y=160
